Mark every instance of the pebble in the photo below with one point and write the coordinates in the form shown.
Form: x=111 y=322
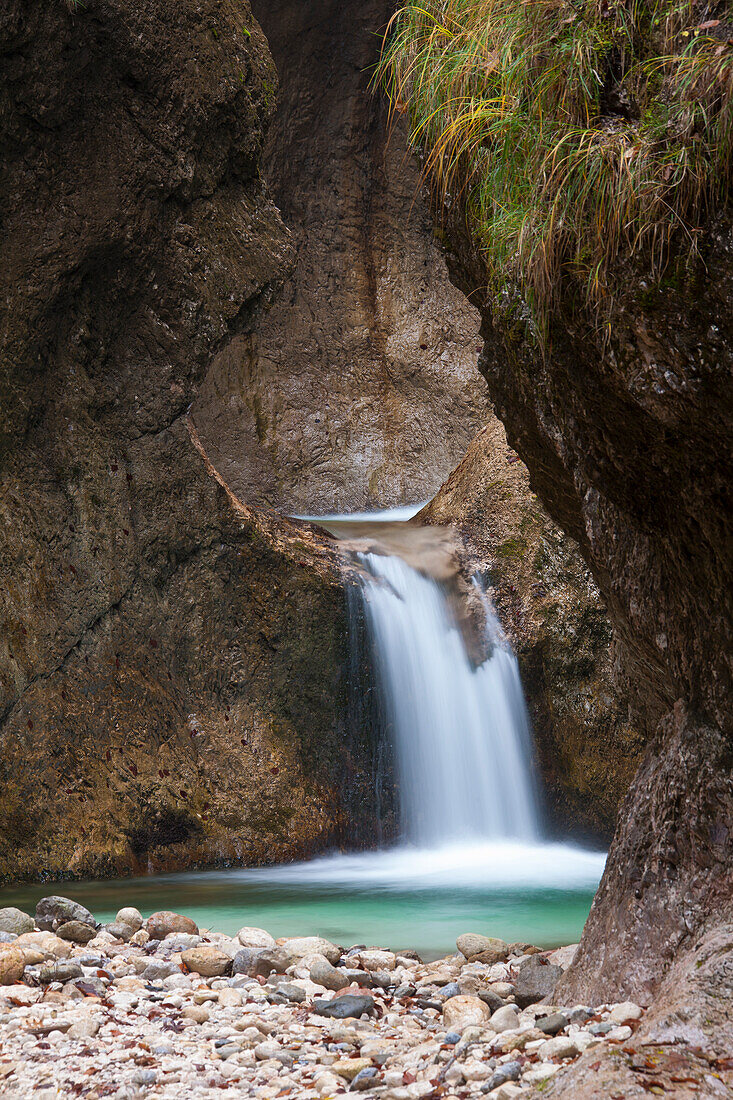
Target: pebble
x=130 y=1017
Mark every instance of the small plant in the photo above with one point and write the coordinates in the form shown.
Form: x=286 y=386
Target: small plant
x=571 y=132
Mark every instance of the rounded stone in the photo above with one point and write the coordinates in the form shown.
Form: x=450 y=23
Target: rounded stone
x=300 y=946
x=330 y=977
x=12 y=965
x=350 y=1067
x=255 y=937
x=159 y=925
x=131 y=917
x=459 y=1012
x=76 y=931
x=485 y=949
x=625 y=1013
x=53 y=911
x=504 y=1019
x=207 y=961
x=15 y=921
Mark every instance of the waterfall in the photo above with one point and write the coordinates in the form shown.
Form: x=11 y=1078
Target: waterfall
x=460 y=733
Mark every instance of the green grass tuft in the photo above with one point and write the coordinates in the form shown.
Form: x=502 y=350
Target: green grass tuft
x=572 y=132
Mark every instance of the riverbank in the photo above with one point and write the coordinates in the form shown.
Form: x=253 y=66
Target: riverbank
x=163 y=1008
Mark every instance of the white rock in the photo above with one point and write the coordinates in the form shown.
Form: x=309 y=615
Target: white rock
x=254 y=937
x=460 y=1012
x=624 y=1013
x=131 y=917
x=507 y=1091
x=561 y=1046
x=377 y=960
x=300 y=946
x=474 y=1070
x=619 y=1034
x=542 y=1072
x=504 y=1019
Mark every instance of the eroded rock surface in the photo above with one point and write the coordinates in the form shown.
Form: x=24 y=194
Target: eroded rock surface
x=627 y=439
x=359 y=387
x=171 y=664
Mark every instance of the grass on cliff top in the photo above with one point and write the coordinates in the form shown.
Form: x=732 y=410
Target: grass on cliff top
x=572 y=132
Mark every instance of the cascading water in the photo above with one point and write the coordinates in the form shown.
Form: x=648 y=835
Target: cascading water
x=459 y=732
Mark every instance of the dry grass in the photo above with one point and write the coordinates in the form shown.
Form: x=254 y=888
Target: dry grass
x=571 y=131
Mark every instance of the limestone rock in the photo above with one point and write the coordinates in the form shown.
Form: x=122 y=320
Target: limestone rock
x=160 y=925
x=377 y=960
x=131 y=917
x=12 y=965
x=536 y=980
x=255 y=937
x=504 y=1019
x=350 y=1067
x=261 y=961
x=55 y=910
x=459 y=1012
x=322 y=973
x=342 y=1008
x=208 y=961
x=76 y=931
x=625 y=1013
x=15 y=921
x=485 y=949
x=301 y=946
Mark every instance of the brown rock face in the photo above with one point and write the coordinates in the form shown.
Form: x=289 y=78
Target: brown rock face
x=172 y=681
x=588 y=748
x=359 y=387
x=628 y=444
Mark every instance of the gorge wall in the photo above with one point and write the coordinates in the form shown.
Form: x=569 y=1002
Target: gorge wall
x=359 y=387
x=172 y=664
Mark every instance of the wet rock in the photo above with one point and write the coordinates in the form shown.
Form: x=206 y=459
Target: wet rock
x=76 y=931
x=553 y=1023
x=210 y=962
x=459 y=1012
x=64 y=971
x=131 y=917
x=53 y=911
x=300 y=946
x=504 y=1019
x=485 y=949
x=255 y=937
x=12 y=965
x=15 y=921
x=536 y=980
x=346 y=1006
x=322 y=973
x=160 y=925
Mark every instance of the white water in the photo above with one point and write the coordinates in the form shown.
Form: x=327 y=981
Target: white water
x=460 y=733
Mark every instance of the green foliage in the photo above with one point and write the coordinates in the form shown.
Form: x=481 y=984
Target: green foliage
x=573 y=132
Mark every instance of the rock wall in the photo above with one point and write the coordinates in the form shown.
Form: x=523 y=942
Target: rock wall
x=627 y=438
x=359 y=387
x=172 y=665
x=588 y=746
